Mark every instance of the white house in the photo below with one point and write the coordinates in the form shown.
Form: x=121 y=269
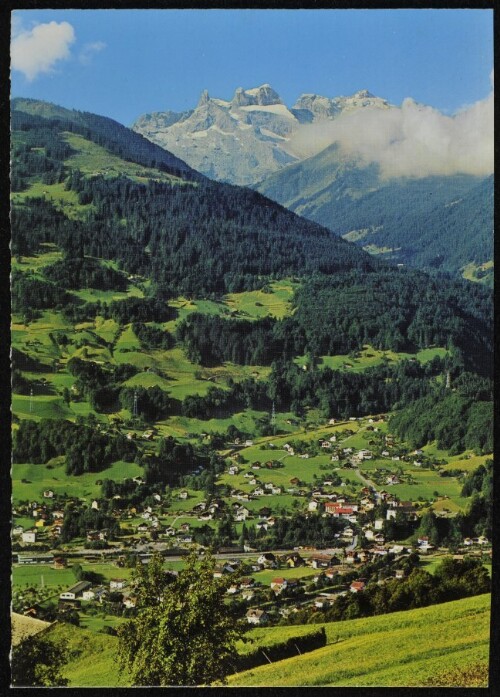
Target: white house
x=117 y=584
x=255 y=616
x=29 y=536
x=75 y=591
x=130 y=601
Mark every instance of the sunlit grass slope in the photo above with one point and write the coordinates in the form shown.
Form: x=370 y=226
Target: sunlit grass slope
x=399 y=649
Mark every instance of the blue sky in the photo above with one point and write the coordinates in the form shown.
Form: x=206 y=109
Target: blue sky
x=122 y=63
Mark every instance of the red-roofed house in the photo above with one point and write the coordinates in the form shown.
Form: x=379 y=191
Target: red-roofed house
x=278 y=584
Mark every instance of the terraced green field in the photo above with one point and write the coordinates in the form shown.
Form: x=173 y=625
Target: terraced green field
x=57 y=195
x=53 y=476
x=257 y=303
x=401 y=649
x=370 y=357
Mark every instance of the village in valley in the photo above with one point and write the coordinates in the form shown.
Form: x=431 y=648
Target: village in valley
x=356 y=478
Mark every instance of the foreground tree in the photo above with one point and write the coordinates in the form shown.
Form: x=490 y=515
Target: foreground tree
x=183 y=633
x=37 y=662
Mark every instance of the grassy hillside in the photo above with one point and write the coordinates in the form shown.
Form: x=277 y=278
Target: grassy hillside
x=399 y=649
x=93 y=657
x=118 y=138
x=370 y=357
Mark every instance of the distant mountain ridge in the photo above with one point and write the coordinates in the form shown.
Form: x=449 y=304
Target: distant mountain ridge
x=434 y=223
x=245 y=139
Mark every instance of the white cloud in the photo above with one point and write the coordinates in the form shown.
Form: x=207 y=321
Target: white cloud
x=16 y=25
x=89 y=50
x=413 y=140
x=37 y=50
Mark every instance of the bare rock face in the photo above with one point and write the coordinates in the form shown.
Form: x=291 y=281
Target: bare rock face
x=246 y=139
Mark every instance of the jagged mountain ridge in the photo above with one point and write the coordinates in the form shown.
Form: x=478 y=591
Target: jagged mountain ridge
x=244 y=140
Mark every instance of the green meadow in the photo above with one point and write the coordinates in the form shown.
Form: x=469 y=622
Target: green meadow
x=267 y=575
x=26 y=575
x=258 y=303
x=94 y=160
x=53 y=476
x=370 y=357
x=481 y=273
x=93 y=657
x=427 y=482
x=50 y=254
x=401 y=649
x=92 y=295
x=57 y=194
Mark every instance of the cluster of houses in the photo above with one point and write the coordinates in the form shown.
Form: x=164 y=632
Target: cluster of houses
x=46 y=519
x=71 y=598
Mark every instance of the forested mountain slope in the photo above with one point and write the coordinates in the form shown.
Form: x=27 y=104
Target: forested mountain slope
x=193 y=236
x=202 y=238
x=118 y=139
x=438 y=222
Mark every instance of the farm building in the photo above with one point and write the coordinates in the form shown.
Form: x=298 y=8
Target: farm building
x=75 y=591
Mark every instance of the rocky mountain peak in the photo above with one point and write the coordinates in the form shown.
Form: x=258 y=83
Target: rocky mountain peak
x=245 y=139
x=257 y=96
x=204 y=98
x=364 y=94
x=317 y=105
x=241 y=98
